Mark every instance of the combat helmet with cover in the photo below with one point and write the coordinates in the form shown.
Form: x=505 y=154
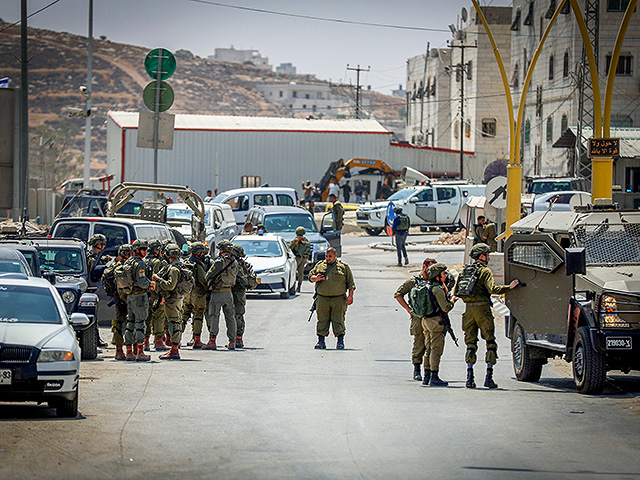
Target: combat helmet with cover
x=300 y=231
x=172 y=250
x=435 y=270
x=479 y=249
x=139 y=244
x=237 y=250
x=197 y=248
x=124 y=250
x=225 y=246
x=154 y=245
x=97 y=239
x=466 y=285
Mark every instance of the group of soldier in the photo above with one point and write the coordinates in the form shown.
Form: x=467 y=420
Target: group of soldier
x=474 y=286
x=155 y=292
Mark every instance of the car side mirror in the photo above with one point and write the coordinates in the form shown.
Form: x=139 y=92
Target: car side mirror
x=575 y=261
x=79 y=319
x=49 y=276
x=413 y=200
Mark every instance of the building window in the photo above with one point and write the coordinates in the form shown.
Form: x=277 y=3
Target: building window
x=537 y=159
x=551 y=10
x=565 y=65
x=306 y=95
x=541 y=28
x=566 y=8
x=314 y=108
x=549 y=129
x=621 y=121
x=458 y=73
x=469 y=67
x=280 y=93
x=433 y=87
x=488 y=127
x=515 y=26
x=328 y=107
x=291 y=105
x=248 y=181
x=304 y=106
x=527 y=132
x=467 y=128
x=551 y=67
x=539 y=101
x=319 y=95
x=617 y=5
x=456 y=130
x=528 y=20
x=625 y=65
x=515 y=78
x=294 y=94
x=564 y=124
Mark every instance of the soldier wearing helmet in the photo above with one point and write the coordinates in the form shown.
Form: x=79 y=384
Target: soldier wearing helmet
x=245 y=280
x=167 y=282
x=97 y=242
x=221 y=277
x=301 y=248
x=154 y=262
x=475 y=286
x=137 y=303
x=400 y=229
x=119 y=298
x=196 y=301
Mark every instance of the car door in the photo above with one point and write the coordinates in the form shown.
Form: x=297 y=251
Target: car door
x=448 y=205
x=291 y=262
x=240 y=206
x=334 y=237
x=425 y=208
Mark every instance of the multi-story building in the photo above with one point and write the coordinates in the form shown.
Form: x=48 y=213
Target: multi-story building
x=241 y=56
x=286 y=68
x=307 y=98
x=552 y=104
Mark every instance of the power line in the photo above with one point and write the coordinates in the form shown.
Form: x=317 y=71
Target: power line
x=29 y=16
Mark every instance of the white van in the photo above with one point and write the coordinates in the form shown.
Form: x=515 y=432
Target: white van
x=219 y=222
x=241 y=200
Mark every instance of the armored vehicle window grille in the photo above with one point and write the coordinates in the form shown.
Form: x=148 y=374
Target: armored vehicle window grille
x=609 y=243
x=15 y=354
x=619 y=311
x=534 y=255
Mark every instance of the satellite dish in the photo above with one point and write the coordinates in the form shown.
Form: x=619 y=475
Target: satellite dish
x=463 y=14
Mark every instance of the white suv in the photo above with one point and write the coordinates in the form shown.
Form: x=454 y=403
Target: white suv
x=241 y=200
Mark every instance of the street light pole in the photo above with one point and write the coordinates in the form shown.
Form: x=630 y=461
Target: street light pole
x=87 y=110
x=24 y=115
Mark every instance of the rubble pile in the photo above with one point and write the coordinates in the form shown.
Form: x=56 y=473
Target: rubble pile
x=11 y=228
x=451 y=238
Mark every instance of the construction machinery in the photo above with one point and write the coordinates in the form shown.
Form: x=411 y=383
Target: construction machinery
x=342 y=169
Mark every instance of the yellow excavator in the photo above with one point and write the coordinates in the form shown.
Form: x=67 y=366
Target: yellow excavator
x=340 y=169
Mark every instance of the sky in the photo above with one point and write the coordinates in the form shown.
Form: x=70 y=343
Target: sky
x=313 y=46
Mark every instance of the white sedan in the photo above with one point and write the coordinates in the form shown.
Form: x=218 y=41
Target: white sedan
x=273 y=262
x=39 y=352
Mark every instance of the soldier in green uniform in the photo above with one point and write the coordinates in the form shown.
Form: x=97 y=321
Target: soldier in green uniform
x=167 y=282
x=156 y=321
x=478 y=315
x=119 y=298
x=490 y=235
x=221 y=277
x=239 y=291
x=301 y=248
x=417 y=352
x=334 y=291
x=97 y=243
x=196 y=301
x=137 y=304
x=337 y=212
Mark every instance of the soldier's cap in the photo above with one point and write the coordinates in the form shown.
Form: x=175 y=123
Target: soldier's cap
x=173 y=250
x=397 y=209
x=97 y=239
x=124 y=250
x=138 y=244
x=436 y=269
x=479 y=249
x=300 y=231
x=237 y=250
x=197 y=247
x=225 y=245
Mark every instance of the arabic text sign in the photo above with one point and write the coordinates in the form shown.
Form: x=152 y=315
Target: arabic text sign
x=604 y=147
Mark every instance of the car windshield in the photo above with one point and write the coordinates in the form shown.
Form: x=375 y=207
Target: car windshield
x=544 y=187
x=61 y=260
x=24 y=304
x=288 y=222
x=609 y=244
x=260 y=248
x=185 y=214
x=12 y=266
x=220 y=198
x=402 y=194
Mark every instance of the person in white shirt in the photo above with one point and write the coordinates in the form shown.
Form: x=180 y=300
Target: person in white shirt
x=209 y=196
x=334 y=189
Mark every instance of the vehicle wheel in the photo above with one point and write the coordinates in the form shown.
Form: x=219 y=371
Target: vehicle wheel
x=292 y=290
x=67 y=408
x=285 y=294
x=526 y=368
x=373 y=231
x=589 y=366
x=88 y=340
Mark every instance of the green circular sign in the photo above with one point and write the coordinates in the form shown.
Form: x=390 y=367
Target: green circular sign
x=152 y=61
x=166 y=96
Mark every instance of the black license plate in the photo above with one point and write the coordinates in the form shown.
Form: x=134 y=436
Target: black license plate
x=619 y=343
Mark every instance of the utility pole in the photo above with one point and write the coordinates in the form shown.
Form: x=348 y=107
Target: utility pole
x=87 y=109
x=424 y=87
x=24 y=116
x=358 y=87
x=461 y=70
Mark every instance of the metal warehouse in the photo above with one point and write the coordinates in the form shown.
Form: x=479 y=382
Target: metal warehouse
x=227 y=152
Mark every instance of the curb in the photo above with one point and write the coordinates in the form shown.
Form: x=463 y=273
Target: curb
x=419 y=247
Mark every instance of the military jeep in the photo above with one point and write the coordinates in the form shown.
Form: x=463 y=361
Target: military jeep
x=581 y=299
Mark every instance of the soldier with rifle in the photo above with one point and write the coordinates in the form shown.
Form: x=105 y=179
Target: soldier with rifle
x=156 y=320
x=196 y=301
x=119 y=298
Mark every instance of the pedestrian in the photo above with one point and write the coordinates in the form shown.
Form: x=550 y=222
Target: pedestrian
x=359 y=191
x=157 y=318
x=334 y=292
x=301 y=248
x=246 y=279
x=317 y=193
x=307 y=191
x=418 y=349
x=221 y=277
x=400 y=229
x=337 y=212
x=167 y=282
x=248 y=229
x=334 y=189
x=209 y=196
x=169 y=200
x=119 y=297
x=478 y=230
x=196 y=301
x=311 y=207
x=137 y=303
x=475 y=286
x=346 y=191
x=97 y=242
x=490 y=235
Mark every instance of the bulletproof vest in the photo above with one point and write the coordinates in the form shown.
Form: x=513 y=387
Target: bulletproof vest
x=226 y=277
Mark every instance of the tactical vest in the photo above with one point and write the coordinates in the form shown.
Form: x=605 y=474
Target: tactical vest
x=467 y=280
x=422 y=301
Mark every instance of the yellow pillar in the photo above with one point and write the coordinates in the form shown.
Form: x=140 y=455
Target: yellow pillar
x=514 y=192
x=601 y=177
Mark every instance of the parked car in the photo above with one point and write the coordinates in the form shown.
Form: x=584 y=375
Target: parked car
x=241 y=200
x=12 y=261
x=219 y=222
x=560 y=201
x=93 y=205
x=555 y=184
x=39 y=352
x=272 y=261
x=283 y=221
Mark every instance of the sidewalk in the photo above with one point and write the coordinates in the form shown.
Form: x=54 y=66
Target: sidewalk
x=418 y=247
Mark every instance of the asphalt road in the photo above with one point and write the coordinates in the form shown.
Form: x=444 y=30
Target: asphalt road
x=281 y=410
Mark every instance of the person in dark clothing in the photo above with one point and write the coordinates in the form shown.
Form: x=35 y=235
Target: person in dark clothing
x=346 y=191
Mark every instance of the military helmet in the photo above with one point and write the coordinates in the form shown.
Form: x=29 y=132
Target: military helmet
x=237 y=250
x=124 y=250
x=300 y=231
x=97 y=239
x=138 y=244
x=197 y=247
x=172 y=250
x=225 y=246
x=154 y=245
x=397 y=209
x=436 y=269
x=479 y=249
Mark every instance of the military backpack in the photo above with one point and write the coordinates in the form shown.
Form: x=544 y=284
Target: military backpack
x=124 y=276
x=246 y=277
x=421 y=299
x=185 y=281
x=403 y=223
x=109 y=279
x=467 y=280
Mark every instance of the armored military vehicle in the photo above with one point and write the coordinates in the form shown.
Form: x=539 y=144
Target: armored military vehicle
x=581 y=299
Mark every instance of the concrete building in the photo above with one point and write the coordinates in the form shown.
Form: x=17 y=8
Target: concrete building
x=399 y=92
x=227 y=152
x=307 y=98
x=241 y=56
x=552 y=104
x=286 y=68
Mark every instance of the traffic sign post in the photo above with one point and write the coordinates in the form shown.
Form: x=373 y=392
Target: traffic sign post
x=496 y=196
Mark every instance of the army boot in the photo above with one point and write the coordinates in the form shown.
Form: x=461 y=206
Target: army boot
x=197 y=343
x=320 y=345
x=436 y=381
x=129 y=357
x=192 y=341
x=427 y=377
x=146 y=344
x=239 y=343
x=488 y=381
x=167 y=340
x=471 y=383
x=140 y=355
x=416 y=372
x=119 y=353
x=340 y=344
x=406 y=261
x=299 y=287
x=231 y=345
x=173 y=354
x=160 y=345
x=211 y=345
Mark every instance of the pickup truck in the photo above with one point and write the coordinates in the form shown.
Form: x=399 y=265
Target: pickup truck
x=434 y=205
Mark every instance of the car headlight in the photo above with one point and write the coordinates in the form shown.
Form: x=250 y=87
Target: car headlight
x=68 y=296
x=609 y=313
x=322 y=247
x=378 y=214
x=279 y=269
x=55 y=356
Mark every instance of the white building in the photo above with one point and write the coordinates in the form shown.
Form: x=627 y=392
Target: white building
x=286 y=68
x=241 y=56
x=307 y=98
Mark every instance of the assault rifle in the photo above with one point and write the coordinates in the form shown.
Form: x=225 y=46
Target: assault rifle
x=447 y=327
x=313 y=307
